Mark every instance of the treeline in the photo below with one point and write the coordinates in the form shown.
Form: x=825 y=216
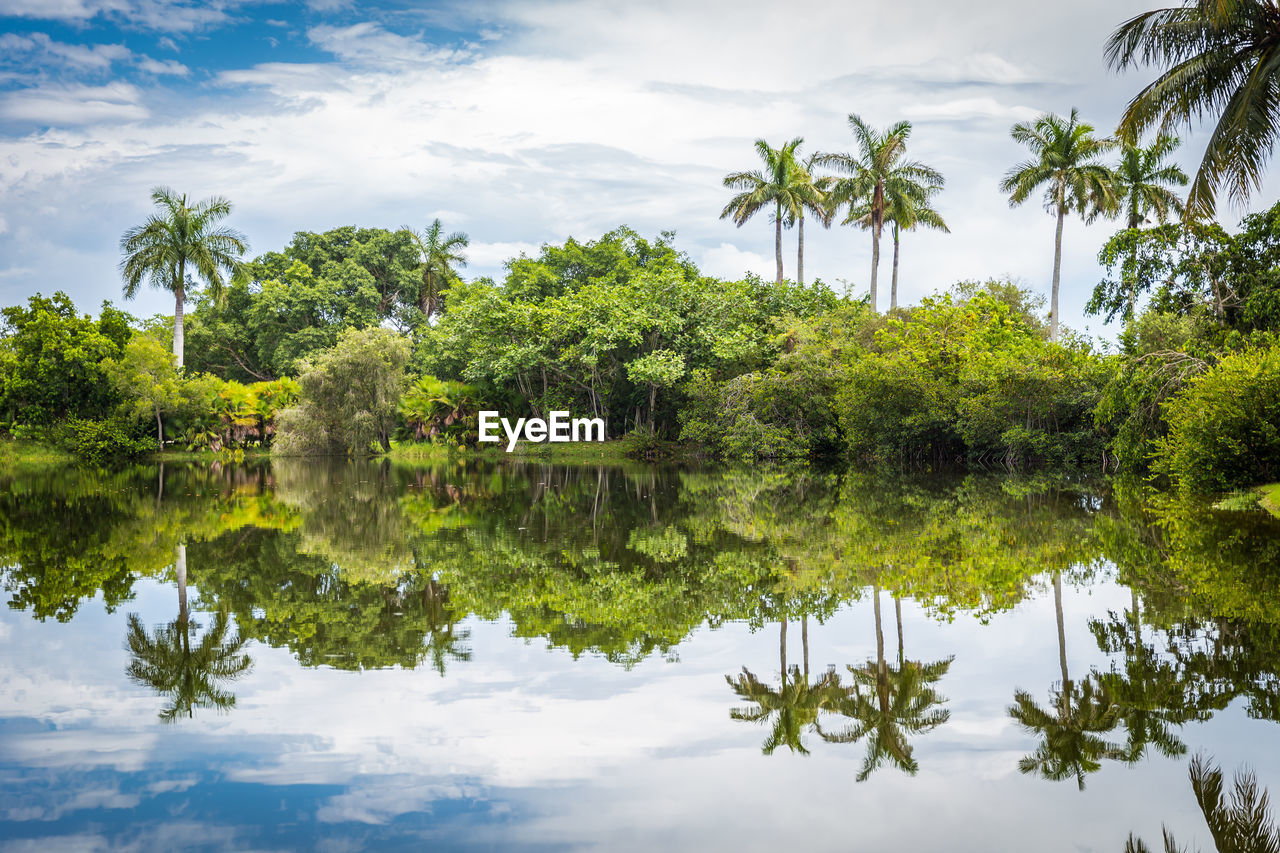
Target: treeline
x=628 y=329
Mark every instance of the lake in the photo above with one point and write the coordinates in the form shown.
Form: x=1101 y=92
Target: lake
x=300 y=655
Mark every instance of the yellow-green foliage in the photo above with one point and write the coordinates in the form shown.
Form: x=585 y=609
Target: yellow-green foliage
x=1224 y=428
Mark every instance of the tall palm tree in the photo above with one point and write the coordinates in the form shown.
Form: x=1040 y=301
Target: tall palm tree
x=1066 y=162
x=877 y=174
x=813 y=199
x=439 y=255
x=906 y=212
x=181 y=238
x=1143 y=178
x=782 y=183
x=1218 y=58
x=167 y=663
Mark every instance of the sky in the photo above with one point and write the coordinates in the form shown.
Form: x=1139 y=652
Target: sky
x=523 y=123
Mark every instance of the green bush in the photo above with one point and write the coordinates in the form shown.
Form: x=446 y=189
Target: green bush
x=102 y=442
x=1224 y=428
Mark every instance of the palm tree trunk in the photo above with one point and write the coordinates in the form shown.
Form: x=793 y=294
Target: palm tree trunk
x=893 y=290
x=180 y=569
x=875 y=262
x=159 y=429
x=800 y=251
x=777 y=241
x=1057 y=274
x=178 y=294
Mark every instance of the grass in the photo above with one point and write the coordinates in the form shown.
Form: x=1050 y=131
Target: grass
x=27 y=456
x=1269 y=498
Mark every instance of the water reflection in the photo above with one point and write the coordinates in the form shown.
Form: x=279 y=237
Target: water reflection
x=381 y=570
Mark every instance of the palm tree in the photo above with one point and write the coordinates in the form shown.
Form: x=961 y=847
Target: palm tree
x=907 y=212
x=1240 y=823
x=783 y=182
x=875 y=176
x=813 y=199
x=793 y=707
x=439 y=255
x=889 y=704
x=177 y=239
x=1066 y=163
x=1220 y=57
x=1142 y=179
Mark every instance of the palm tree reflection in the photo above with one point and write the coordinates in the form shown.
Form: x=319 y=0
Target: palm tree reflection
x=189 y=673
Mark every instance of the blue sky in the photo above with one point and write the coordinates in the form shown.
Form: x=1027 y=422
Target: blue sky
x=527 y=122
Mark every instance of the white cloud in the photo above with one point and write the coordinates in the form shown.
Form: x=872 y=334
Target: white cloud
x=74 y=105
x=163 y=66
x=161 y=15
x=96 y=57
x=369 y=44
x=728 y=261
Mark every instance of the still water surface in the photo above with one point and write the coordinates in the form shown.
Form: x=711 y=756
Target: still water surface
x=304 y=656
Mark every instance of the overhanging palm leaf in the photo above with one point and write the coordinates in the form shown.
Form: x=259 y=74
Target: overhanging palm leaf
x=1220 y=57
x=181 y=239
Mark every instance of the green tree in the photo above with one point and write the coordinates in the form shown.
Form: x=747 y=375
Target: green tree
x=1066 y=162
x=146 y=378
x=350 y=396
x=782 y=182
x=1216 y=59
x=189 y=675
x=908 y=210
x=439 y=254
x=180 y=235
x=51 y=360
x=876 y=176
x=1143 y=178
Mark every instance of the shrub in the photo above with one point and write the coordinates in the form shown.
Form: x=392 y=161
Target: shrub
x=1224 y=428
x=101 y=442
x=350 y=395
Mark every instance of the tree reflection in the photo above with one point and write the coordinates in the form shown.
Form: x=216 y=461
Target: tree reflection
x=889 y=704
x=1071 y=744
x=1239 y=821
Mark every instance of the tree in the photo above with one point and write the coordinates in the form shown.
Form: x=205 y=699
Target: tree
x=782 y=183
x=1072 y=745
x=1218 y=58
x=814 y=199
x=1143 y=178
x=145 y=377
x=189 y=675
x=877 y=175
x=439 y=255
x=1065 y=161
x=51 y=360
x=907 y=211
x=179 y=236
x=350 y=396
